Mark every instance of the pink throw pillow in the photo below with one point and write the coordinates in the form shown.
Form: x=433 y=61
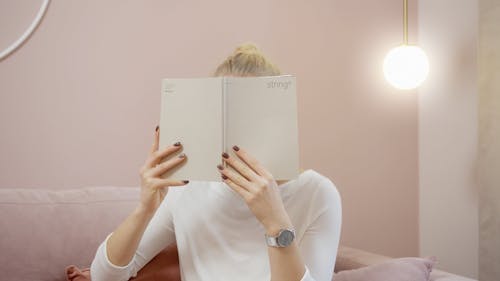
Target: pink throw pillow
x=401 y=269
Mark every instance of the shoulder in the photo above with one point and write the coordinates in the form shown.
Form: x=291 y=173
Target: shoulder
x=314 y=202
x=319 y=188
x=318 y=182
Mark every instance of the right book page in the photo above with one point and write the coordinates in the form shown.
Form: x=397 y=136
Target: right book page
x=261 y=117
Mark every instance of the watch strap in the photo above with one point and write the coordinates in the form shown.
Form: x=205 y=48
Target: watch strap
x=272 y=241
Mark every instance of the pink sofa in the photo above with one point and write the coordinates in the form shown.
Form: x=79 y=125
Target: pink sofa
x=42 y=231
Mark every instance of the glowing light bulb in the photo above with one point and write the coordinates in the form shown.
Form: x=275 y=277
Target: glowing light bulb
x=406 y=67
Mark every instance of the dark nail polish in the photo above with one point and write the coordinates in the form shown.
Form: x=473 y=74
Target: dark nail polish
x=157 y=127
x=182 y=155
x=236 y=148
x=220 y=167
x=177 y=143
x=185 y=181
x=224 y=177
x=225 y=155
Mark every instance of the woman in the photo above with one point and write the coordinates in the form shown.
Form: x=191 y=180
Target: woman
x=247 y=227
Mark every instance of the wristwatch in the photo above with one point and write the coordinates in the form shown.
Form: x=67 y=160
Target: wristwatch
x=284 y=238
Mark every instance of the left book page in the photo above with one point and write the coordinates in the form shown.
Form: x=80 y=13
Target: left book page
x=191 y=112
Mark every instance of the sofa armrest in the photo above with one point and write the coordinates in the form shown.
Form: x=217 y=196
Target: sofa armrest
x=351 y=258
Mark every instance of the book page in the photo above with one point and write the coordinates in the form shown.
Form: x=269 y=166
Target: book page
x=261 y=117
x=191 y=112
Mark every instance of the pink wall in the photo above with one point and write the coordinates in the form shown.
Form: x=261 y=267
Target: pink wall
x=79 y=101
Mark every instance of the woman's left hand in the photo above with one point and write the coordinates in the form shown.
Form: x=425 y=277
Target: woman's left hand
x=258 y=188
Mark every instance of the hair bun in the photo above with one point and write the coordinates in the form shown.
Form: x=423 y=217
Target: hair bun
x=246 y=60
x=246 y=48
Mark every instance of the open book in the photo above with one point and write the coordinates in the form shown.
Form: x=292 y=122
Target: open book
x=210 y=115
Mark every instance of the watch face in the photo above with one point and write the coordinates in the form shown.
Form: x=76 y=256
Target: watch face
x=285 y=238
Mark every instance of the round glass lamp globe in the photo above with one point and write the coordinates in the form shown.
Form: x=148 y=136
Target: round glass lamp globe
x=406 y=67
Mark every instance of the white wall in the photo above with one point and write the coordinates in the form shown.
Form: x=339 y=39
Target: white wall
x=448 y=135
x=489 y=134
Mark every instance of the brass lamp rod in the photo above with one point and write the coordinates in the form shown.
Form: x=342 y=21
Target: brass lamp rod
x=405 y=22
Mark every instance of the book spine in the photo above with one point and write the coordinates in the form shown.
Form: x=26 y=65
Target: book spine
x=224 y=112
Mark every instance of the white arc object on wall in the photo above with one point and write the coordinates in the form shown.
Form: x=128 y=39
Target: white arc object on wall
x=28 y=31
x=406 y=66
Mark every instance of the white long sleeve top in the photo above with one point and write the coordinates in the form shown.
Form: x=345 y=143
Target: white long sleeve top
x=219 y=239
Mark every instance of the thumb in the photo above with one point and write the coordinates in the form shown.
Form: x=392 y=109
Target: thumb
x=169 y=182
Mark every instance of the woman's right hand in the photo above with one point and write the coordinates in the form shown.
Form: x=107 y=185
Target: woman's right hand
x=153 y=187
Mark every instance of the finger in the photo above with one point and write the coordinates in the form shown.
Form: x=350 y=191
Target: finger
x=252 y=162
x=241 y=167
x=236 y=178
x=162 y=183
x=156 y=140
x=162 y=168
x=158 y=184
x=157 y=156
x=240 y=190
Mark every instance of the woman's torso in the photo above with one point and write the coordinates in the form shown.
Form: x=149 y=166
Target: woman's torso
x=217 y=234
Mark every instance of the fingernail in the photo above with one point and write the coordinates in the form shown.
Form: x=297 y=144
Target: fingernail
x=224 y=177
x=182 y=155
x=225 y=155
x=185 y=181
x=220 y=167
x=236 y=148
x=177 y=143
x=157 y=127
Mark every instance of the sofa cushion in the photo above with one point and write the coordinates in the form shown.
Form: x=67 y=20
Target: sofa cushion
x=42 y=231
x=414 y=269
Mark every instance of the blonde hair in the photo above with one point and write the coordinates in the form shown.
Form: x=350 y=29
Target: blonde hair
x=247 y=60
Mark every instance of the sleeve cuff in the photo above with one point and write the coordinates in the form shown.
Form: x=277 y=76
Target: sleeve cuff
x=307 y=275
x=105 y=248
x=103 y=267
